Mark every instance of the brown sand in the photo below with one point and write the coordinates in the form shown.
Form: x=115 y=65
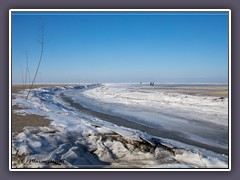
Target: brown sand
x=17 y=88
x=216 y=91
x=21 y=121
x=201 y=90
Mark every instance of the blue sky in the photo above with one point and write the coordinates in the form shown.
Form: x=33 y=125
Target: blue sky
x=176 y=47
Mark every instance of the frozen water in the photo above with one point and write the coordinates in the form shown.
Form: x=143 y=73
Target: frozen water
x=181 y=121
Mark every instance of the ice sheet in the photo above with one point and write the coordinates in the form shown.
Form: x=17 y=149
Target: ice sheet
x=79 y=141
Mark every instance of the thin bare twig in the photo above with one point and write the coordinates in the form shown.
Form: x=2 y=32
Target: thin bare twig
x=26 y=74
x=22 y=75
x=41 y=41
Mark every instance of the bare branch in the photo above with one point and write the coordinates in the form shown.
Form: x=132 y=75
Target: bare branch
x=40 y=58
x=22 y=75
x=25 y=82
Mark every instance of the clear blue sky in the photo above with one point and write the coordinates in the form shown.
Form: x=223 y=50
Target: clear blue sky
x=122 y=47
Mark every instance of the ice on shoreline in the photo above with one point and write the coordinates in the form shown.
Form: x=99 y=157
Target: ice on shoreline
x=79 y=138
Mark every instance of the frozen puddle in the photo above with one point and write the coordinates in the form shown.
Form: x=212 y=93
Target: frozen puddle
x=122 y=126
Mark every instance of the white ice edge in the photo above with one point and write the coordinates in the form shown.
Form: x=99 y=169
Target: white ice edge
x=82 y=123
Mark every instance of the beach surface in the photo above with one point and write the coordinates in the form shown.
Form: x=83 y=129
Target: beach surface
x=115 y=124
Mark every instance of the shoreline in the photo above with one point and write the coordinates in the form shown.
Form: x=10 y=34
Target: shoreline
x=162 y=133
x=36 y=122
x=19 y=121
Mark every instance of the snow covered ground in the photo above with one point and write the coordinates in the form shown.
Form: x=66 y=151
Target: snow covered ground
x=122 y=125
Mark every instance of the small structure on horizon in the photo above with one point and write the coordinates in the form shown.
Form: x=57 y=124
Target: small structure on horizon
x=151 y=83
